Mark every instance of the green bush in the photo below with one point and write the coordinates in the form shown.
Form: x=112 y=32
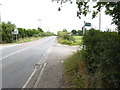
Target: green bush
x=66 y=42
x=65 y=38
x=102 y=54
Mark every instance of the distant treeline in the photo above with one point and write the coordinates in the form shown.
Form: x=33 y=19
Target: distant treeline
x=6 y=30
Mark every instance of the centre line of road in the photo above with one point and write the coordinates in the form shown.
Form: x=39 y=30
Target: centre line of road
x=14 y=53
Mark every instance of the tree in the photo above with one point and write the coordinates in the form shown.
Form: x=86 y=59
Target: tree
x=21 y=32
x=74 y=32
x=112 y=9
x=40 y=30
x=64 y=30
x=80 y=33
x=7 y=29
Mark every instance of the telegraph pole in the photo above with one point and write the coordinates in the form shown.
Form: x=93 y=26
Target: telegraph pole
x=100 y=20
x=0 y=14
x=40 y=22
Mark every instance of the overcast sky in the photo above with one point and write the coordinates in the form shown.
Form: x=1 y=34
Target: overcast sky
x=25 y=14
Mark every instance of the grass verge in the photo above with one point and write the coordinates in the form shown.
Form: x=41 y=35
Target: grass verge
x=73 y=73
x=76 y=75
x=21 y=40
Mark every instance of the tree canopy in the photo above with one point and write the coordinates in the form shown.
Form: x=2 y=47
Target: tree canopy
x=112 y=9
x=74 y=32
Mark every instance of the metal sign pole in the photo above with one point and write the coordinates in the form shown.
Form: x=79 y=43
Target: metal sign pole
x=16 y=37
x=12 y=37
x=0 y=15
x=83 y=30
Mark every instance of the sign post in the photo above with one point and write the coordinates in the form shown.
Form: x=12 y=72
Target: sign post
x=86 y=24
x=84 y=30
x=15 y=32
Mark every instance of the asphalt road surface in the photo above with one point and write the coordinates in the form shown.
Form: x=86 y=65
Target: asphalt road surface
x=18 y=61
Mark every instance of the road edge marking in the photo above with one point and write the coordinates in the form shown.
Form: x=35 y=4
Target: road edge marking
x=24 y=86
x=40 y=75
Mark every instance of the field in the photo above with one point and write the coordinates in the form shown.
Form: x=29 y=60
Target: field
x=78 y=40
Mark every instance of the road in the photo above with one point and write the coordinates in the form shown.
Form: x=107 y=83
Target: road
x=18 y=61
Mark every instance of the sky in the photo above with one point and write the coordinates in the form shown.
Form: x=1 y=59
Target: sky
x=31 y=14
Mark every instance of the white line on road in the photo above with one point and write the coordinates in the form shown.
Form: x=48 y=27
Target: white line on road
x=39 y=77
x=44 y=55
x=30 y=78
x=14 y=53
x=37 y=82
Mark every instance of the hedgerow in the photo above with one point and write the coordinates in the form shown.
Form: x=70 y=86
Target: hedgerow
x=6 y=30
x=102 y=55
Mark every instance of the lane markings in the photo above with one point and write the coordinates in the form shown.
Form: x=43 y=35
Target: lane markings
x=24 y=86
x=45 y=56
x=14 y=53
x=29 y=79
x=40 y=75
x=43 y=67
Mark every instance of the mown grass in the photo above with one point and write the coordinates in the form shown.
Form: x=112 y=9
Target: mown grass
x=22 y=40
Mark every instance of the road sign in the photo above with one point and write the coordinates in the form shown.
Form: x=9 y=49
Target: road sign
x=87 y=24
x=15 y=31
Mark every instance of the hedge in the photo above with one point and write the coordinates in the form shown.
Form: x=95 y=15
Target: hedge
x=6 y=30
x=102 y=55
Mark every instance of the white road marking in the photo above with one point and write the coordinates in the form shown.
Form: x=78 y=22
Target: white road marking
x=44 y=58
x=37 y=82
x=29 y=78
x=14 y=53
x=44 y=55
